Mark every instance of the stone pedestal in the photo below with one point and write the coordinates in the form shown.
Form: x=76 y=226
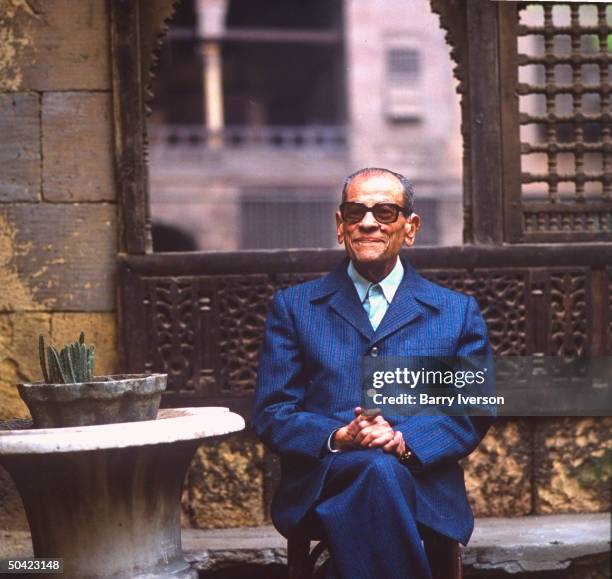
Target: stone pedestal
x=106 y=498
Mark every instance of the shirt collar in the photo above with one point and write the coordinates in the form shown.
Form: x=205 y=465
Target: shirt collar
x=388 y=285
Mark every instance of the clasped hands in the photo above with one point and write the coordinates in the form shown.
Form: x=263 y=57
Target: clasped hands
x=369 y=432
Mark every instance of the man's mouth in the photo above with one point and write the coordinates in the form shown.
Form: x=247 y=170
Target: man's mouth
x=368 y=240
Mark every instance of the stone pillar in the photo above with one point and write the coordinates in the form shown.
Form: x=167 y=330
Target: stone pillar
x=213 y=91
x=211 y=27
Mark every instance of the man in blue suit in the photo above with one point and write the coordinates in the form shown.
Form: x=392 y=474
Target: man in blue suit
x=370 y=484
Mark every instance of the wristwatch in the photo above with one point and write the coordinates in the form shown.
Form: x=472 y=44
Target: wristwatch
x=407 y=457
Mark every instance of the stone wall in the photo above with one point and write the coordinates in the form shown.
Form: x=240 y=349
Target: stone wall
x=58 y=234
x=542 y=466
x=224 y=485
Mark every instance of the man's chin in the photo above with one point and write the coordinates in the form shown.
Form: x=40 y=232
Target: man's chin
x=367 y=257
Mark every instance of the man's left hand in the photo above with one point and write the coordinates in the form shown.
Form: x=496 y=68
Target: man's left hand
x=396 y=446
x=374 y=433
x=378 y=433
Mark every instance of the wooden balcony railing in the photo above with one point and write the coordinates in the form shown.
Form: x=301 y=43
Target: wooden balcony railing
x=279 y=137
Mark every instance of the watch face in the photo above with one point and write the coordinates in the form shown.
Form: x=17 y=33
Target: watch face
x=406 y=457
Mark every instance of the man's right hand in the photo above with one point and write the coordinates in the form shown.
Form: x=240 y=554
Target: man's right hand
x=344 y=437
x=353 y=435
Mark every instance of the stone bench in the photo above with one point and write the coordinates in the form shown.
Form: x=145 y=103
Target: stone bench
x=538 y=546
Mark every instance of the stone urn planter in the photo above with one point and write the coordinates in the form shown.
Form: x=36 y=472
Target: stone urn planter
x=104 y=400
x=71 y=396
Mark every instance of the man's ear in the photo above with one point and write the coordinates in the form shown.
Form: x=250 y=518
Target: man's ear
x=413 y=222
x=339 y=228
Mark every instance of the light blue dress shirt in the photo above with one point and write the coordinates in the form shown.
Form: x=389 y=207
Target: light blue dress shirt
x=375 y=302
x=375 y=299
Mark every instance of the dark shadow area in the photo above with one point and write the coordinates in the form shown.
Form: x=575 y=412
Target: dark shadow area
x=171 y=238
x=12 y=514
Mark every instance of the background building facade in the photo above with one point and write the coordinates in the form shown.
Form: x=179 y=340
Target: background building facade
x=262 y=108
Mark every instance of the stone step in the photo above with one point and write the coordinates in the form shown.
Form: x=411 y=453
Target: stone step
x=535 y=546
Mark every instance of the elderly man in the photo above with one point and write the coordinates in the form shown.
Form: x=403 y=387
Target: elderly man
x=370 y=484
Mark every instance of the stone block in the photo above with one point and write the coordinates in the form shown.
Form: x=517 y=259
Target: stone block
x=573 y=471
x=100 y=329
x=11 y=405
x=77 y=147
x=57 y=257
x=20 y=147
x=224 y=485
x=59 y=45
x=497 y=473
x=19 y=358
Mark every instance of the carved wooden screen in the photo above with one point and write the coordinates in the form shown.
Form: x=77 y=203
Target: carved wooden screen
x=556 y=119
x=200 y=317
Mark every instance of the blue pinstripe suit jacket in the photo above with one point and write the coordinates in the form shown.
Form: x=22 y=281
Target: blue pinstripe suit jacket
x=308 y=385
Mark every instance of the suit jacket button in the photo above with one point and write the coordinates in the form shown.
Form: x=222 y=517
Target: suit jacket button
x=374 y=352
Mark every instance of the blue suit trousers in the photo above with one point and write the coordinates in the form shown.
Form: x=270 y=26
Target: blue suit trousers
x=367 y=513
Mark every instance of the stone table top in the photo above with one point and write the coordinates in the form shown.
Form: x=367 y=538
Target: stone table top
x=172 y=425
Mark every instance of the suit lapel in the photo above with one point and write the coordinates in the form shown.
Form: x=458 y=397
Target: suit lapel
x=344 y=299
x=403 y=309
x=345 y=302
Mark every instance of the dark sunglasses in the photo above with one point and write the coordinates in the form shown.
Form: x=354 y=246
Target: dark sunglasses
x=383 y=212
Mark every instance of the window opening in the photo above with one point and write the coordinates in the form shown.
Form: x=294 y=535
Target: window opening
x=262 y=105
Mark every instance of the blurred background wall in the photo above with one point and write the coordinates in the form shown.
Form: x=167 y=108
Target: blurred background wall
x=262 y=108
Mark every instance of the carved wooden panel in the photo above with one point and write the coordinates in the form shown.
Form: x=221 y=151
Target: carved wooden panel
x=180 y=316
x=557 y=121
x=285 y=280
x=243 y=306
x=206 y=332
x=206 y=329
x=501 y=297
x=155 y=16
x=472 y=32
x=569 y=311
x=453 y=22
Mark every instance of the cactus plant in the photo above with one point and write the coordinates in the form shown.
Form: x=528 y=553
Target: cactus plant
x=73 y=364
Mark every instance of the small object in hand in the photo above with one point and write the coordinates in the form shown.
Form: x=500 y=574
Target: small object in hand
x=371 y=412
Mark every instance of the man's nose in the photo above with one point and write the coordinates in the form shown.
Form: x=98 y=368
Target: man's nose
x=368 y=221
